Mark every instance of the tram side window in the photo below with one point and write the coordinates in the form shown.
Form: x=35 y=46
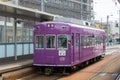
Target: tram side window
x=87 y=41
x=77 y=40
x=101 y=40
x=50 y=41
x=39 y=42
x=90 y=40
x=94 y=41
x=83 y=41
x=62 y=41
x=98 y=41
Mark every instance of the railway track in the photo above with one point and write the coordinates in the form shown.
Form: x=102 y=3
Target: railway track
x=44 y=77
x=106 y=69
x=118 y=77
x=25 y=72
x=14 y=70
x=108 y=72
x=13 y=75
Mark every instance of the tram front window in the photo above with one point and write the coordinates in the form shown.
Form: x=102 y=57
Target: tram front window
x=50 y=41
x=62 y=41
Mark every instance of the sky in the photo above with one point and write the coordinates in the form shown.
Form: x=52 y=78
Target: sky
x=104 y=8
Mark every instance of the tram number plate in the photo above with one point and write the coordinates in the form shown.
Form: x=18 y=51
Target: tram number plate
x=62 y=52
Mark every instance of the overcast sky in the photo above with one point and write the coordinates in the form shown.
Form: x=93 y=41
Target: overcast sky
x=102 y=8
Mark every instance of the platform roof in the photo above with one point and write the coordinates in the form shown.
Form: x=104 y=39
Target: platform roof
x=15 y=11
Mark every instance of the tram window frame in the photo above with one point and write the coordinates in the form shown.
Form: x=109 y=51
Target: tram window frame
x=77 y=39
x=72 y=37
x=101 y=40
x=83 y=41
x=87 y=41
x=98 y=41
x=42 y=46
x=54 y=42
x=90 y=41
x=94 y=41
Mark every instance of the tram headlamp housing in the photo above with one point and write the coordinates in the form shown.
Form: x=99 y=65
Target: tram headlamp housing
x=50 y=25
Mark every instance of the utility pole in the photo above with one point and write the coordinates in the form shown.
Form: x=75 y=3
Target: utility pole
x=81 y=12
x=107 y=25
x=42 y=5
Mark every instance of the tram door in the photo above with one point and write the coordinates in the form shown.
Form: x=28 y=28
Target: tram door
x=73 y=46
x=77 y=47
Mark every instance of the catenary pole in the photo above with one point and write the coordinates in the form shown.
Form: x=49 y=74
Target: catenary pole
x=42 y=5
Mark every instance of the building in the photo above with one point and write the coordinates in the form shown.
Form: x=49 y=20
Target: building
x=111 y=29
x=79 y=9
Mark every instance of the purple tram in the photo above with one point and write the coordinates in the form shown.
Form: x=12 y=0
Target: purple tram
x=64 y=46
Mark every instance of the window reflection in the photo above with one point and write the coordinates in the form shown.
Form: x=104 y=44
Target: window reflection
x=50 y=41
x=39 y=42
x=62 y=41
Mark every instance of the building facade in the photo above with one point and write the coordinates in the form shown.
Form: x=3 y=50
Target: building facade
x=79 y=9
x=111 y=29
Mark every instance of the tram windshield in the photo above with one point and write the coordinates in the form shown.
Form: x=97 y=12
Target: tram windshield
x=62 y=41
x=50 y=41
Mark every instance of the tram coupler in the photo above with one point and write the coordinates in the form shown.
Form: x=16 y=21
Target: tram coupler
x=48 y=71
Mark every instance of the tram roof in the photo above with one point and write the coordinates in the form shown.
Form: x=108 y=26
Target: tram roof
x=16 y=11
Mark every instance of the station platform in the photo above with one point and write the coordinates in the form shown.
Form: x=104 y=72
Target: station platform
x=113 y=46
x=15 y=65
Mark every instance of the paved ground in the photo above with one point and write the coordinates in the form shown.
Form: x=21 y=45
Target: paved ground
x=106 y=69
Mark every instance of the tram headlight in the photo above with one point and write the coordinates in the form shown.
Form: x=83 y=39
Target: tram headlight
x=50 y=25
